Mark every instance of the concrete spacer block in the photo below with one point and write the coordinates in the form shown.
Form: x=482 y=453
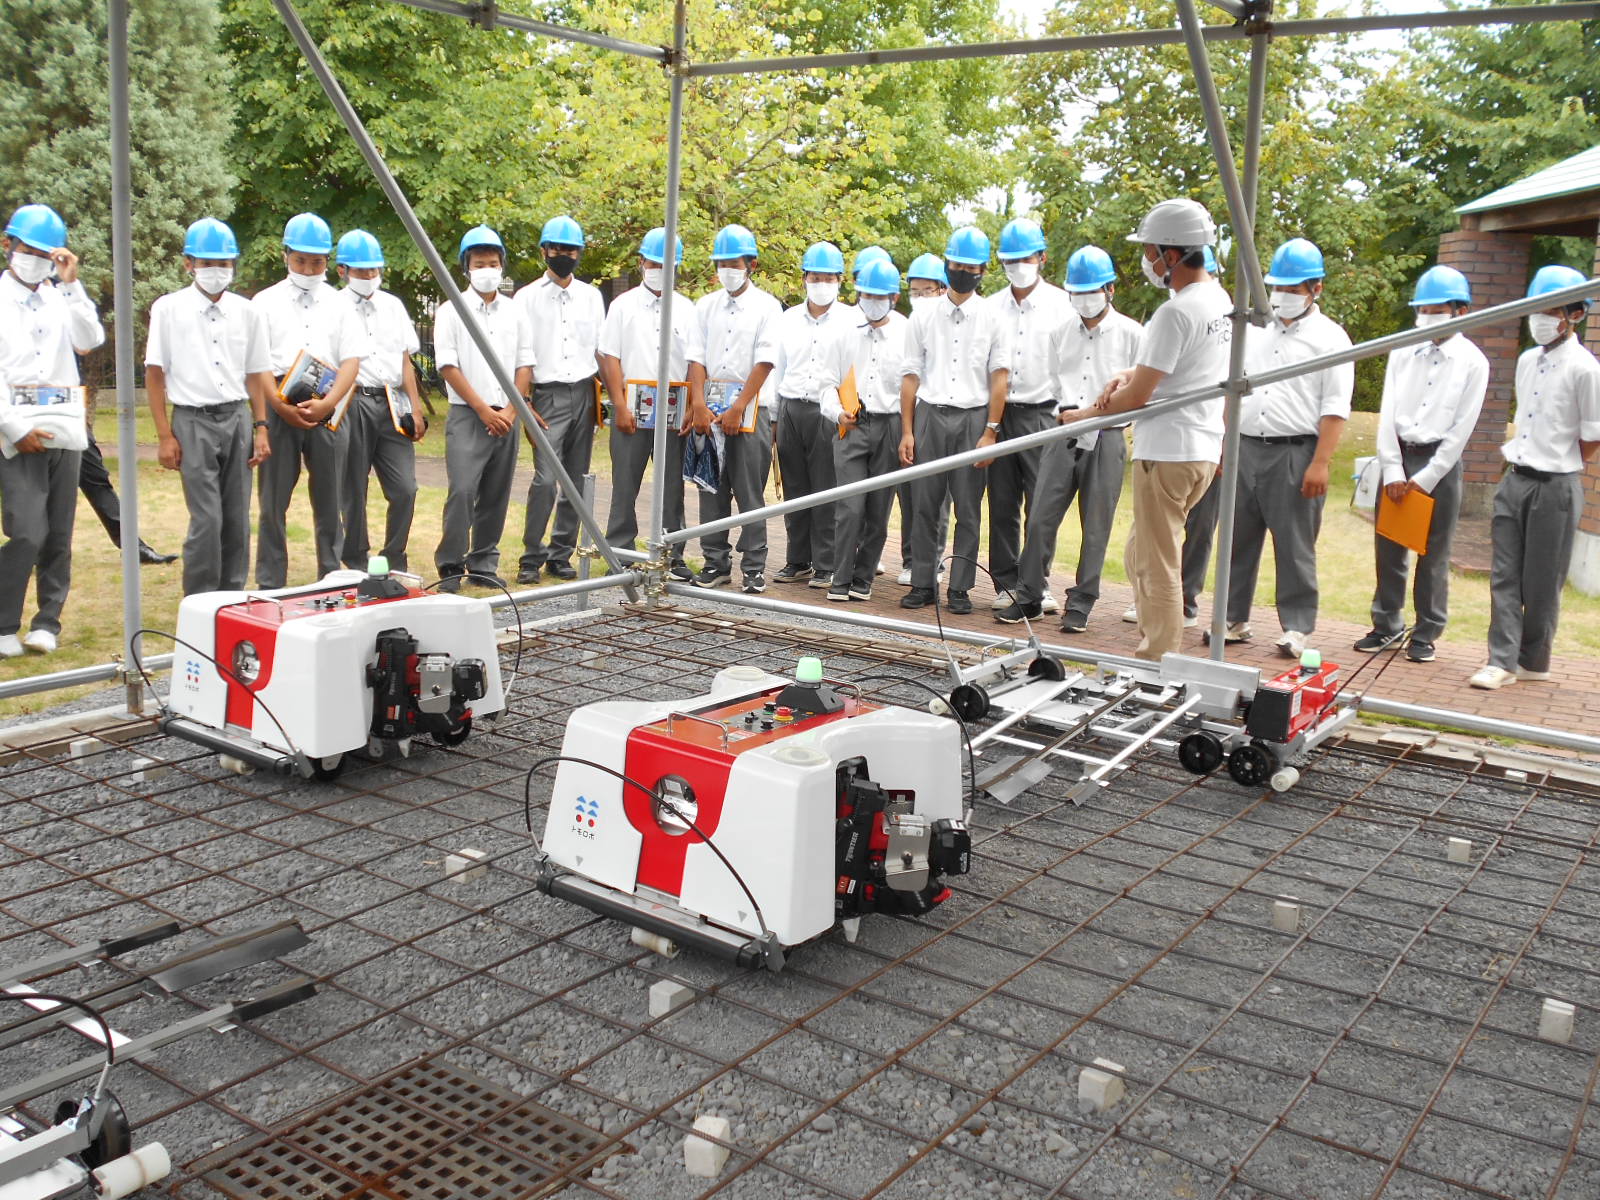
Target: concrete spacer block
x=83 y=747
x=465 y=865
x=1285 y=916
x=1101 y=1085
x=147 y=770
x=667 y=997
x=1459 y=850
x=1555 y=1021
x=702 y=1158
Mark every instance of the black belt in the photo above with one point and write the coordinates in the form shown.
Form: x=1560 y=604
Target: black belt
x=1293 y=439
x=799 y=399
x=1421 y=447
x=377 y=393
x=1025 y=407
x=865 y=415
x=227 y=408
x=1541 y=476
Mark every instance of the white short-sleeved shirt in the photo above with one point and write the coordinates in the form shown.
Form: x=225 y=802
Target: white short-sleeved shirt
x=1032 y=326
x=799 y=344
x=876 y=354
x=506 y=324
x=46 y=327
x=1188 y=339
x=632 y=333
x=952 y=349
x=306 y=320
x=1084 y=359
x=206 y=349
x=1431 y=393
x=566 y=327
x=1295 y=406
x=381 y=319
x=737 y=332
x=1558 y=405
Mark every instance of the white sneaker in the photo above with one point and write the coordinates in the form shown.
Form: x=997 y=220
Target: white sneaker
x=1191 y=622
x=1527 y=676
x=1235 y=633
x=1292 y=644
x=878 y=570
x=1048 y=603
x=40 y=641
x=10 y=646
x=1491 y=677
x=904 y=578
x=1002 y=599
x=1130 y=615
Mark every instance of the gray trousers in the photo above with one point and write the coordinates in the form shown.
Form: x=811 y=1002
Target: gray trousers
x=568 y=410
x=1268 y=500
x=478 y=468
x=805 y=456
x=38 y=504
x=1199 y=532
x=1012 y=483
x=630 y=455
x=941 y=431
x=1431 y=591
x=1532 y=529
x=745 y=467
x=322 y=450
x=215 y=470
x=375 y=446
x=1094 y=478
x=908 y=506
x=861 y=523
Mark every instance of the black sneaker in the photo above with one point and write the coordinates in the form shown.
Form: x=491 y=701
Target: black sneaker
x=450 y=582
x=820 y=579
x=560 y=570
x=1376 y=641
x=484 y=579
x=710 y=577
x=680 y=571
x=861 y=592
x=1073 y=623
x=794 y=573
x=530 y=575
x=918 y=598
x=1418 y=650
x=957 y=603
x=1012 y=614
x=754 y=583
x=839 y=592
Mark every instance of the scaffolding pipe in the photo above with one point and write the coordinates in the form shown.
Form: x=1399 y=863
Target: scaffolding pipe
x=668 y=473
x=489 y=15
x=408 y=217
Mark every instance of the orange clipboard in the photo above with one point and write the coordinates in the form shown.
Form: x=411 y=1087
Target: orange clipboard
x=1406 y=522
x=849 y=398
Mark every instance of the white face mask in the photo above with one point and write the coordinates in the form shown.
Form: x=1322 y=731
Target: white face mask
x=822 y=294
x=653 y=278
x=875 y=308
x=307 y=283
x=1089 y=305
x=1156 y=275
x=920 y=302
x=1287 y=306
x=733 y=278
x=365 y=287
x=486 y=280
x=1545 y=329
x=213 y=281
x=1429 y=320
x=1022 y=274
x=30 y=268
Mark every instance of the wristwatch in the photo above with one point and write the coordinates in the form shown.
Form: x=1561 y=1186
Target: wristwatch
x=258 y=425
x=992 y=426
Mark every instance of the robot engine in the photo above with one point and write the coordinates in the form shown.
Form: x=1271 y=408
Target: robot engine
x=757 y=816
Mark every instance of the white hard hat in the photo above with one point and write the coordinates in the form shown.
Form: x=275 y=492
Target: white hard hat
x=1176 y=223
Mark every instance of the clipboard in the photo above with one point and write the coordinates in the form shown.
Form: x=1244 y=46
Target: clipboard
x=403 y=415
x=723 y=394
x=309 y=376
x=849 y=397
x=642 y=399
x=1406 y=522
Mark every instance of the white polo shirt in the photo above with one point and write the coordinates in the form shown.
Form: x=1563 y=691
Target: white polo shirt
x=1084 y=359
x=737 y=332
x=381 y=319
x=566 y=327
x=1188 y=339
x=800 y=343
x=44 y=327
x=632 y=333
x=1431 y=393
x=1295 y=406
x=306 y=320
x=205 y=349
x=506 y=324
x=952 y=349
x=1032 y=326
x=1558 y=405
x=876 y=354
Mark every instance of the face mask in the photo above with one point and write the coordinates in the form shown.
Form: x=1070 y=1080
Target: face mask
x=1089 y=305
x=486 y=280
x=1429 y=320
x=921 y=302
x=732 y=279
x=1022 y=274
x=875 y=308
x=963 y=283
x=307 y=283
x=1286 y=306
x=1545 y=329
x=30 y=268
x=1158 y=276
x=213 y=281
x=364 y=287
x=822 y=294
x=562 y=265
x=653 y=278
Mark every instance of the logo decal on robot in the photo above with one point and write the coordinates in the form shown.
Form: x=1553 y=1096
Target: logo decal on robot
x=587 y=811
x=191 y=675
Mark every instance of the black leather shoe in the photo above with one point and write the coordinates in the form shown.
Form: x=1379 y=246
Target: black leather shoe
x=917 y=598
x=958 y=603
x=560 y=570
x=528 y=575
x=149 y=554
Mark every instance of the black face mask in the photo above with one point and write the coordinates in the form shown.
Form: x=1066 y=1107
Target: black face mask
x=562 y=264
x=963 y=282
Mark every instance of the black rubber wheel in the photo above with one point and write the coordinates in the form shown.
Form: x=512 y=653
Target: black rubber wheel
x=1200 y=753
x=1250 y=766
x=115 y=1137
x=1047 y=667
x=320 y=768
x=969 y=701
x=456 y=733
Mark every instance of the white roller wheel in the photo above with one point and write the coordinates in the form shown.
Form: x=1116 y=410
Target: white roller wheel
x=655 y=943
x=939 y=707
x=126 y=1175
x=1284 y=778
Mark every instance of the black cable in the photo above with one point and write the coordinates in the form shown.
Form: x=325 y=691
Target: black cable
x=105 y=1029
x=133 y=646
x=657 y=797
x=492 y=581
x=966 y=736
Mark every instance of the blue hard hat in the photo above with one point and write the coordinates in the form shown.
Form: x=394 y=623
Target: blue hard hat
x=1553 y=278
x=1210 y=261
x=1020 y=238
x=878 y=276
x=1089 y=269
x=561 y=231
x=928 y=266
x=969 y=246
x=358 y=248
x=210 y=238
x=733 y=241
x=309 y=234
x=1296 y=261
x=1442 y=285
x=823 y=257
x=39 y=226
x=654 y=246
x=477 y=236
x=865 y=256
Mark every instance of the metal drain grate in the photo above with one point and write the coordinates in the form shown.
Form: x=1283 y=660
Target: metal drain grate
x=429 y=1132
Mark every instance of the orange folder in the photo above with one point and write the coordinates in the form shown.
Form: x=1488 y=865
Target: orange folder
x=1406 y=522
x=849 y=398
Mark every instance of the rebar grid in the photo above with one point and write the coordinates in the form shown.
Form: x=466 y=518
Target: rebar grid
x=943 y=1049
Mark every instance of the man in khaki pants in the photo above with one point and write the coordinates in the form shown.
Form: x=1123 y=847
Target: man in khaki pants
x=1175 y=454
